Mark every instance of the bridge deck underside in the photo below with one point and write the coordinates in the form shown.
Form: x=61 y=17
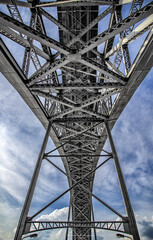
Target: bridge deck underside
x=76 y=20
x=80 y=86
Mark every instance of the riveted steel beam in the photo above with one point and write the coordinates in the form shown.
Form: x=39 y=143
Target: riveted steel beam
x=14 y=36
x=57 y=64
x=118 y=28
x=90 y=25
x=71 y=86
x=32 y=33
x=137 y=32
x=84 y=104
x=18 y=3
x=102 y=69
x=73 y=3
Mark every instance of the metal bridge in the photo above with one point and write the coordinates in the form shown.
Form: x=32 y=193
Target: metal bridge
x=77 y=86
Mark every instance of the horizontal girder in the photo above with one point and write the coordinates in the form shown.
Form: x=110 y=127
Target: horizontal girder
x=72 y=86
x=106 y=225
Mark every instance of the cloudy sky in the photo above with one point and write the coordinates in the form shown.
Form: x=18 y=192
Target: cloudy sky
x=21 y=136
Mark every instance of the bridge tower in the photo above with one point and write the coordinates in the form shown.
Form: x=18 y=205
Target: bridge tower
x=77 y=81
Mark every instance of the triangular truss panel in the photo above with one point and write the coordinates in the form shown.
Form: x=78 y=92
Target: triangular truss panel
x=77 y=74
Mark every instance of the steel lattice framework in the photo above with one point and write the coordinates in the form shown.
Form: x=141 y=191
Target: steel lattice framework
x=77 y=92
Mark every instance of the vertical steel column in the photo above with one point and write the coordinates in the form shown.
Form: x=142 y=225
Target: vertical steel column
x=68 y=219
x=131 y=218
x=93 y=217
x=25 y=210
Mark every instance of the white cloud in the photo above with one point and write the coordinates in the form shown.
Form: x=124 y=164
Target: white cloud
x=60 y=234
x=56 y=215
x=14 y=168
x=21 y=137
x=146 y=228
x=9 y=215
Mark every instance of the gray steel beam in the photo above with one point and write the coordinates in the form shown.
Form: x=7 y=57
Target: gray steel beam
x=139 y=69
x=57 y=64
x=30 y=52
x=14 y=12
x=131 y=218
x=90 y=25
x=32 y=33
x=75 y=37
x=86 y=131
x=18 y=3
x=113 y=20
x=136 y=5
x=86 y=103
x=27 y=204
x=106 y=225
x=118 y=28
x=111 y=66
x=72 y=3
x=14 y=36
x=78 y=155
x=144 y=53
x=53 y=98
x=55 y=21
x=137 y=32
x=102 y=69
x=13 y=73
x=79 y=86
x=41 y=27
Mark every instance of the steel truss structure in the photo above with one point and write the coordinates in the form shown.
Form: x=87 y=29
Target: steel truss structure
x=77 y=91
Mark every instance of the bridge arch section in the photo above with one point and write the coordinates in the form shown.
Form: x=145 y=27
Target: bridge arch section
x=81 y=81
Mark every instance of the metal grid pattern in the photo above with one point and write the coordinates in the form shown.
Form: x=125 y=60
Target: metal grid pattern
x=83 y=90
